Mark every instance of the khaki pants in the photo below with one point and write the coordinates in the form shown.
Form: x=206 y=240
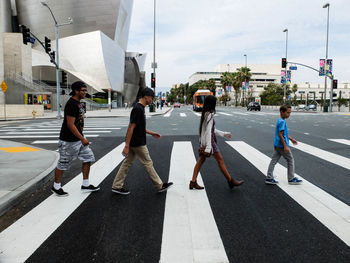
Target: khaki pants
x=143 y=155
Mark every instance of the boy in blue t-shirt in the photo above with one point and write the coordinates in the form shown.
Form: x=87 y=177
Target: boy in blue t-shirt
x=281 y=144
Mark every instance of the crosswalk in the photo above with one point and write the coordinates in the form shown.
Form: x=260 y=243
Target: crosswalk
x=190 y=232
x=230 y=113
x=51 y=129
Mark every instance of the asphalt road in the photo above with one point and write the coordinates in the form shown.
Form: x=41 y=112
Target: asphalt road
x=256 y=222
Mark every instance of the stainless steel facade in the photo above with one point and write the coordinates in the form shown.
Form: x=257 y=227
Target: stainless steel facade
x=93 y=47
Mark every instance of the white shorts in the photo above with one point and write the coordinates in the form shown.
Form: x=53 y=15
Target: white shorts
x=69 y=151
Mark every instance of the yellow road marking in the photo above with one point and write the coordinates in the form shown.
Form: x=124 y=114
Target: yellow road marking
x=19 y=149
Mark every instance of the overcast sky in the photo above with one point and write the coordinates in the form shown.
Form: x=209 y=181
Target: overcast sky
x=197 y=35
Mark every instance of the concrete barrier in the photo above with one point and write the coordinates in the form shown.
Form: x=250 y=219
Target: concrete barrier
x=21 y=110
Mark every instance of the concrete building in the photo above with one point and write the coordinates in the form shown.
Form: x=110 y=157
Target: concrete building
x=263 y=74
x=92 y=49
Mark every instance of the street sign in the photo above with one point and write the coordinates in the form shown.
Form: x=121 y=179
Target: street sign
x=293 y=67
x=322 y=67
x=4 y=86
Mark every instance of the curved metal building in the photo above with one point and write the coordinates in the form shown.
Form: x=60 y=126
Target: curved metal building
x=92 y=49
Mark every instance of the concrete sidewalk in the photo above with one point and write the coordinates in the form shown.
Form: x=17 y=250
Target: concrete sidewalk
x=24 y=168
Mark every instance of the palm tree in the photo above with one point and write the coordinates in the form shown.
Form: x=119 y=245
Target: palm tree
x=226 y=80
x=244 y=75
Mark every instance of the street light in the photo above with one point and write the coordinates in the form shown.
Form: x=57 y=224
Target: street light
x=70 y=21
x=285 y=70
x=325 y=77
x=245 y=60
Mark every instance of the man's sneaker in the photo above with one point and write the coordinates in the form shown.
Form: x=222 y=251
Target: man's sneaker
x=295 y=180
x=59 y=192
x=270 y=181
x=165 y=187
x=90 y=188
x=120 y=191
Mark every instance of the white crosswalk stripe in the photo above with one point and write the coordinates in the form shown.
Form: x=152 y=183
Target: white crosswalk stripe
x=168 y=114
x=183 y=114
x=325 y=155
x=331 y=212
x=23 y=237
x=343 y=141
x=190 y=233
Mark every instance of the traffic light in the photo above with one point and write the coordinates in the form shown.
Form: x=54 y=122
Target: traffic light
x=64 y=77
x=25 y=34
x=53 y=55
x=153 y=80
x=47 y=45
x=335 y=83
x=284 y=62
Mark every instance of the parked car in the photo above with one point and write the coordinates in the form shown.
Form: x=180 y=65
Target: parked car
x=301 y=107
x=177 y=105
x=312 y=107
x=254 y=106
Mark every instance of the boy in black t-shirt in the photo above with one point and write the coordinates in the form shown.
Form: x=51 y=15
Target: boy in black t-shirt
x=72 y=143
x=135 y=146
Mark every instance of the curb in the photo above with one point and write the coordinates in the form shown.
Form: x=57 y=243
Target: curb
x=14 y=197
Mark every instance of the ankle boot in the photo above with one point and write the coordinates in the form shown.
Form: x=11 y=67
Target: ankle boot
x=195 y=185
x=234 y=182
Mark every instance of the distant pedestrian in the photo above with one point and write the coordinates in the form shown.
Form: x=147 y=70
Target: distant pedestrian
x=125 y=105
x=135 y=146
x=208 y=144
x=281 y=148
x=72 y=143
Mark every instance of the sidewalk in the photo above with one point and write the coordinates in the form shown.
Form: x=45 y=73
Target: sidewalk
x=24 y=168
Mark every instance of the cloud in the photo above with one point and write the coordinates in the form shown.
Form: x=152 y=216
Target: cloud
x=197 y=35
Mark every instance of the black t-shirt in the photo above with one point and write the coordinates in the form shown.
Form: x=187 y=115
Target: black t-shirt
x=75 y=109
x=138 y=117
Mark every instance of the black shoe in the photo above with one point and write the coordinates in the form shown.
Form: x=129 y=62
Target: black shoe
x=165 y=187
x=120 y=191
x=90 y=188
x=59 y=192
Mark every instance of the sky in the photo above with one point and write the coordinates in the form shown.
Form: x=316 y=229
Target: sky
x=197 y=35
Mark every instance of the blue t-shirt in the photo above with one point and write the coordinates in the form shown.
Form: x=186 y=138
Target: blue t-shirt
x=281 y=126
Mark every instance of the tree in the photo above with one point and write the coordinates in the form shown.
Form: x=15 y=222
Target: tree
x=244 y=75
x=273 y=94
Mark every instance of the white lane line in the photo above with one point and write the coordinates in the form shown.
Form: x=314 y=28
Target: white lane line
x=38 y=136
x=45 y=142
x=183 y=114
x=196 y=113
x=331 y=212
x=306 y=133
x=343 y=141
x=167 y=115
x=50 y=132
x=23 y=237
x=190 y=233
x=325 y=155
x=224 y=113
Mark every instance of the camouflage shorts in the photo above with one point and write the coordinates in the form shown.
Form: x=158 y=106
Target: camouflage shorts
x=69 y=151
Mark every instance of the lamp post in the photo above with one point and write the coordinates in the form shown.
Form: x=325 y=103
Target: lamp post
x=154 y=65
x=245 y=80
x=325 y=78
x=285 y=71
x=58 y=85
